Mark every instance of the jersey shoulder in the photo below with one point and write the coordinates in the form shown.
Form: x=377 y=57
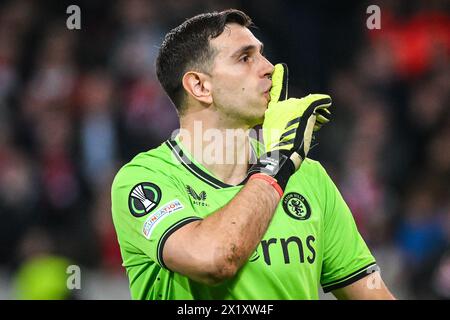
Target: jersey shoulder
x=312 y=168
x=311 y=178
x=157 y=162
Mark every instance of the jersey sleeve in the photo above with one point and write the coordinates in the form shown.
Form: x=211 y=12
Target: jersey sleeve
x=147 y=207
x=346 y=256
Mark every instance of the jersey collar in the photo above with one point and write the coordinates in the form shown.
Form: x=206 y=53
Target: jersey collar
x=196 y=169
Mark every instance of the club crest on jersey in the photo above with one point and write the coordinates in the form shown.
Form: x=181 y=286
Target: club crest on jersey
x=198 y=198
x=296 y=206
x=143 y=198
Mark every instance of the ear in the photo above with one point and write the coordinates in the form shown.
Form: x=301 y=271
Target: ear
x=198 y=85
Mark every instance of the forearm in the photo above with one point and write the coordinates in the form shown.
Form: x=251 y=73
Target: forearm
x=234 y=231
x=213 y=249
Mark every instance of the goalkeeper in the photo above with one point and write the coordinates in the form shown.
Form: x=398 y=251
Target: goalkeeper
x=196 y=227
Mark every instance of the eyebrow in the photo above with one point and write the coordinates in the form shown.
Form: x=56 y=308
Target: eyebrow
x=247 y=48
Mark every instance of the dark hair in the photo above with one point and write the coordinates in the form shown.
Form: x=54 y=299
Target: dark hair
x=187 y=46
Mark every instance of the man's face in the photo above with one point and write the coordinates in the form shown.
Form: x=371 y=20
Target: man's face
x=240 y=77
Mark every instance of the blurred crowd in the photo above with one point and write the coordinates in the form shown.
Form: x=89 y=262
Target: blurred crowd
x=75 y=105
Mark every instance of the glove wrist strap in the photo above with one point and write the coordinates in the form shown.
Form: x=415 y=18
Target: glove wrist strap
x=276 y=164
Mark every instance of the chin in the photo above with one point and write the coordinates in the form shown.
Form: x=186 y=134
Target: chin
x=256 y=120
x=254 y=115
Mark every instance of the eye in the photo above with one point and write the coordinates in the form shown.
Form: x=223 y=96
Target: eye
x=245 y=58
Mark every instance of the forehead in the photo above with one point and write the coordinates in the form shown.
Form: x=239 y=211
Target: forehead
x=232 y=38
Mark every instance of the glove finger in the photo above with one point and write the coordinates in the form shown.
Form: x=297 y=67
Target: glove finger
x=280 y=78
x=317 y=126
x=323 y=111
x=318 y=100
x=301 y=130
x=323 y=115
x=321 y=104
x=322 y=120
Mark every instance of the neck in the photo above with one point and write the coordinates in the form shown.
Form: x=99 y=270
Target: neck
x=223 y=150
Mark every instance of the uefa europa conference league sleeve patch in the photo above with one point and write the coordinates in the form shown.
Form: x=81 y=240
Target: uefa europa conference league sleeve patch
x=159 y=215
x=143 y=198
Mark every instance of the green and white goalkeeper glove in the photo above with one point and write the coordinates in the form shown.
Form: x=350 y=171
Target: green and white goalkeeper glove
x=288 y=128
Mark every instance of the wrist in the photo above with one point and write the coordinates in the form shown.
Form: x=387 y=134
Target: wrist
x=275 y=164
x=270 y=180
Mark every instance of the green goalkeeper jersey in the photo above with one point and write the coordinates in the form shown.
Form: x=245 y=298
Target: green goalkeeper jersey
x=312 y=240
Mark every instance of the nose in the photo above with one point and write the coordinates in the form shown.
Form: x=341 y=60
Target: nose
x=267 y=68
